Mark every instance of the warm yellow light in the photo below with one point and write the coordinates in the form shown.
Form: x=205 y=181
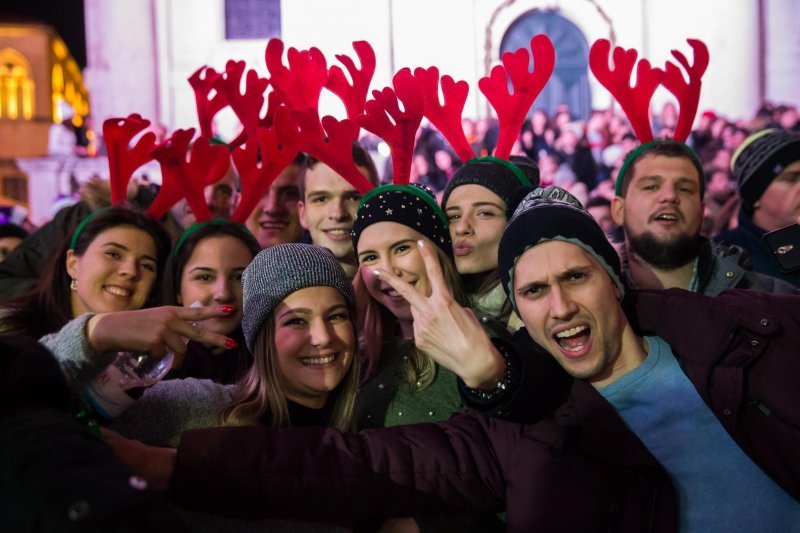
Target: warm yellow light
x=27 y=99
x=11 y=98
x=59 y=48
x=58 y=78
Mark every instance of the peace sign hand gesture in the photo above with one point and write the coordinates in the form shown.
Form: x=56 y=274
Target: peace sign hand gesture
x=447 y=332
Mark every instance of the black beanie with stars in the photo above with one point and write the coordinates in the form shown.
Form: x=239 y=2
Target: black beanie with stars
x=410 y=205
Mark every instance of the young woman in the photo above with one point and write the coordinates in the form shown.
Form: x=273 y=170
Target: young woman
x=478 y=202
x=297 y=309
x=114 y=261
x=208 y=262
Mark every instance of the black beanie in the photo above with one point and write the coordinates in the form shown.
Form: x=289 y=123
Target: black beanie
x=498 y=175
x=410 y=205
x=760 y=159
x=553 y=214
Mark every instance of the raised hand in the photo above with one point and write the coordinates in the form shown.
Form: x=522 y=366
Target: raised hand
x=156 y=330
x=445 y=330
x=152 y=463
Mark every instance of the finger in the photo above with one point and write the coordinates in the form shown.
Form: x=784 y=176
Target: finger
x=197 y=314
x=433 y=268
x=403 y=288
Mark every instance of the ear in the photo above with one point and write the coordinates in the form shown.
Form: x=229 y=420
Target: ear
x=72 y=264
x=618 y=210
x=617 y=292
x=301 y=211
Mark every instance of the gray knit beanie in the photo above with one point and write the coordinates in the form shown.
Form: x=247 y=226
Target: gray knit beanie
x=280 y=270
x=759 y=160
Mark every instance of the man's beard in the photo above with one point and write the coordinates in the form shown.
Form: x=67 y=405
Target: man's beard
x=665 y=255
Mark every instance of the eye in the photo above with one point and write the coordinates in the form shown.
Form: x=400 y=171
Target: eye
x=203 y=277
x=577 y=276
x=149 y=266
x=649 y=188
x=453 y=217
x=355 y=198
x=319 y=199
x=339 y=316
x=237 y=277
x=296 y=321
x=486 y=214
x=369 y=258
x=113 y=255
x=401 y=248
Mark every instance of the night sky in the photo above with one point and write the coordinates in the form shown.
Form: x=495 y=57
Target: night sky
x=65 y=15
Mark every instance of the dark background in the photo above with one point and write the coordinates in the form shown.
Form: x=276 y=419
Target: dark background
x=66 y=16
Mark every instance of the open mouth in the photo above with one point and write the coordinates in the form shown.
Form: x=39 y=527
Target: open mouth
x=337 y=234
x=317 y=361
x=272 y=225
x=667 y=217
x=574 y=340
x=117 y=291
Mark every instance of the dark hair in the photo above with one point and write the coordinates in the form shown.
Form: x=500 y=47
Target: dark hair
x=598 y=201
x=662 y=147
x=9 y=229
x=361 y=158
x=47 y=307
x=215 y=228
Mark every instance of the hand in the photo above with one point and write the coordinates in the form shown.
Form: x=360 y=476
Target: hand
x=152 y=463
x=447 y=332
x=157 y=330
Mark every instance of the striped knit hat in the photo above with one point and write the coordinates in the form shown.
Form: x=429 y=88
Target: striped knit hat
x=280 y=270
x=759 y=160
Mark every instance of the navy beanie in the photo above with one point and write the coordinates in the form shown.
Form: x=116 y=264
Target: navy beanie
x=498 y=175
x=553 y=214
x=760 y=159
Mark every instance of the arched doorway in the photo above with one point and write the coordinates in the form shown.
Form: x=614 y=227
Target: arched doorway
x=569 y=83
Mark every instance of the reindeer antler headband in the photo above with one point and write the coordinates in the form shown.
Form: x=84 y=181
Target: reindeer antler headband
x=635 y=101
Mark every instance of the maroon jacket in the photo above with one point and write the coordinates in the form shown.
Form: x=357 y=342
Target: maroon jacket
x=580 y=470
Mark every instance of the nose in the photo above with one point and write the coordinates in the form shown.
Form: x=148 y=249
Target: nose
x=461 y=226
x=271 y=203
x=129 y=268
x=223 y=290
x=338 y=211
x=320 y=332
x=387 y=263
x=562 y=307
x=669 y=195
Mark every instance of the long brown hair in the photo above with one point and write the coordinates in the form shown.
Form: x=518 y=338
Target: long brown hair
x=48 y=306
x=379 y=328
x=260 y=394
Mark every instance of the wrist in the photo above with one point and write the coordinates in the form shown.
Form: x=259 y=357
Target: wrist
x=489 y=378
x=498 y=387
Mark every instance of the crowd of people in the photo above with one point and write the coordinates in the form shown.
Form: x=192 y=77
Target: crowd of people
x=590 y=334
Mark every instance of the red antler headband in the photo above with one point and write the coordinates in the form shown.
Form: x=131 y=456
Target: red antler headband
x=635 y=101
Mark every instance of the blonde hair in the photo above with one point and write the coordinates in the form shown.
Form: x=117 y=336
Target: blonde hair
x=261 y=392
x=378 y=326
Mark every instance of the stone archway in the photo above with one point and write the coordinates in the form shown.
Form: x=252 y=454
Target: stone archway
x=570 y=81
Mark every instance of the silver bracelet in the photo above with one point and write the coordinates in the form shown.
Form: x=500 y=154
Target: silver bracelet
x=502 y=385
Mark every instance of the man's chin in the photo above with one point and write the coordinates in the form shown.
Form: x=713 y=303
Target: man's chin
x=665 y=252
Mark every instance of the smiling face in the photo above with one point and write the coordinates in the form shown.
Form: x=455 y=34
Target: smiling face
x=329 y=209
x=393 y=247
x=477 y=220
x=315 y=342
x=662 y=206
x=275 y=219
x=213 y=275
x=570 y=307
x=115 y=273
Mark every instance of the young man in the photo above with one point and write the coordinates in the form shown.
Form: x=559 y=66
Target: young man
x=659 y=203
x=328 y=206
x=275 y=219
x=767 y=168
x=672 y=430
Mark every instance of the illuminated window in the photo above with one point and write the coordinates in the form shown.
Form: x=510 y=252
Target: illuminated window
x=252 y=19
x=16 y=86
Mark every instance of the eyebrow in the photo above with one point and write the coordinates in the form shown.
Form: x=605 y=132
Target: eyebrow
x=126 y=249
x=562 y=276
x=306 y=311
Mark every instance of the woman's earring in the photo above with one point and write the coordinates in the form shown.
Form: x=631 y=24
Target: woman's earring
x=73 y=284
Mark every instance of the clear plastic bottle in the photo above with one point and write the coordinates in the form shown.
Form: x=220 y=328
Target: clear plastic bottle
x=124 y=381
